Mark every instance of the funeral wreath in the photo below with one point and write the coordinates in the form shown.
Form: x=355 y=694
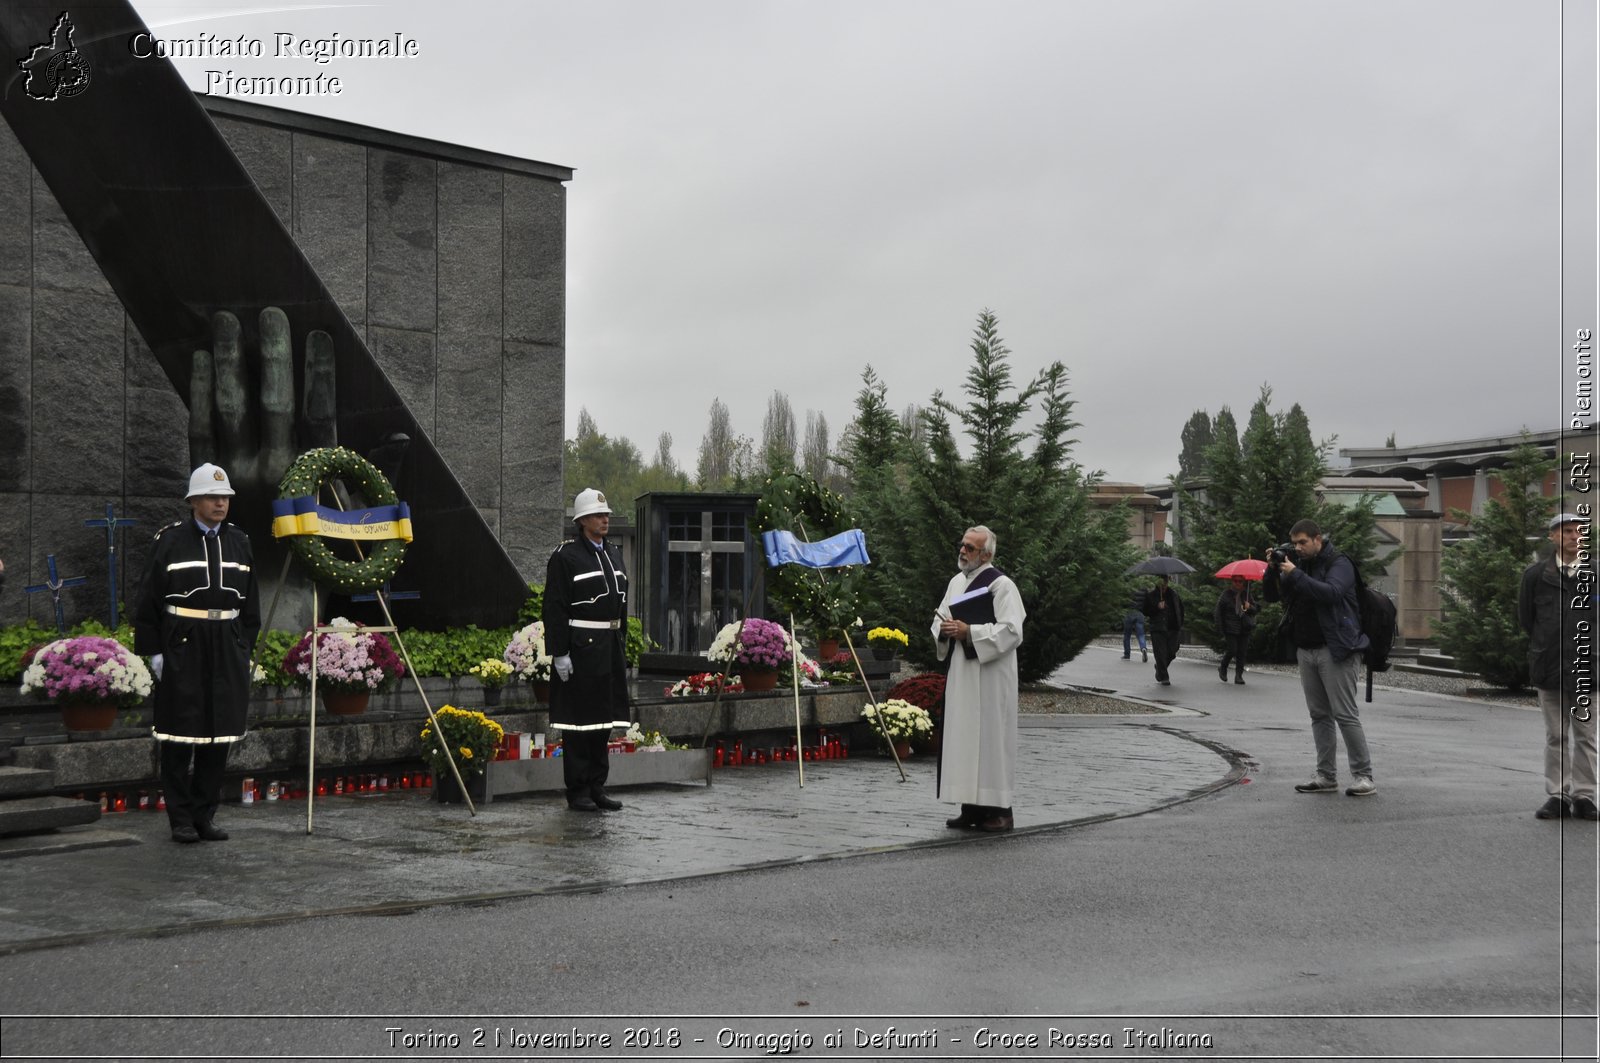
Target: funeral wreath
x=305 y=479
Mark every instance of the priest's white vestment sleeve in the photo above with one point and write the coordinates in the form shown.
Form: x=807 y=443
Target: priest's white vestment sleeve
x=978 y=760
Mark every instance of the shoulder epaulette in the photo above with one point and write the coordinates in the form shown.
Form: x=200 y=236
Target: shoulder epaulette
x=162 y=531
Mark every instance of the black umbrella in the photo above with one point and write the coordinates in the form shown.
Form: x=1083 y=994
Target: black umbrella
x=1160 y=566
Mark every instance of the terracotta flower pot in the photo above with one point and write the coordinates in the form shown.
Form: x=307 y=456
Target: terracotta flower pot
x=96 y=716
x=827 y=649
x=756 y=678
x=345 y=704
x=902 y=748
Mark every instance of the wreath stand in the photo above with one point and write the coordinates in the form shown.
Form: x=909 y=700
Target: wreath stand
x=318 y=629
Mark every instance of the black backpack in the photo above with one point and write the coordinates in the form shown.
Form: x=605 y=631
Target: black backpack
x=1380 y=622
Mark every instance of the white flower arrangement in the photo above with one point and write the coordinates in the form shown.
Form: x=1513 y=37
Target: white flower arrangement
x=753 y=641
x=649 y=741
x=86 y=670
x=902 y=721
x=526 y=655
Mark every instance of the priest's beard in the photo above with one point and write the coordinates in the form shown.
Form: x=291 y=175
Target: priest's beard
x=966 y=564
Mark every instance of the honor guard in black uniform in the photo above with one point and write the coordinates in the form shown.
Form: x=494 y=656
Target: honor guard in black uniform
x=585 y=628
x=197 y=620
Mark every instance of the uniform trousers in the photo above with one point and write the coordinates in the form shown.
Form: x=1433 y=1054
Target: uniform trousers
x=192 y=795
x=585 y=763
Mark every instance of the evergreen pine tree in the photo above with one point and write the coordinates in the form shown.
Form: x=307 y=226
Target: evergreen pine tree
x=1482 y=575
x=1257 y=486
x=1065 y=556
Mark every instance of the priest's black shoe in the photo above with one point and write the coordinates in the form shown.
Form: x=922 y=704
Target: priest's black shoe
x=186 y=835
x=965 y=821
x=210 y=832
x=610 y=804
x=582 y=804
x=997 y=824
x=1555 y=808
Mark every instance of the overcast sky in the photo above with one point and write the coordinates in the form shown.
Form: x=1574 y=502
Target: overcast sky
x=1356 y=203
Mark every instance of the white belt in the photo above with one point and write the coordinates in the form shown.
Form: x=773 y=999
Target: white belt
x=204 y=614
x=604 y=625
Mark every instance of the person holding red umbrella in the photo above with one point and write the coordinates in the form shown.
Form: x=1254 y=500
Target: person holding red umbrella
x=1235 y=618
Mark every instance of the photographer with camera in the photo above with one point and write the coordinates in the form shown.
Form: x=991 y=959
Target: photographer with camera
x=1320 y=612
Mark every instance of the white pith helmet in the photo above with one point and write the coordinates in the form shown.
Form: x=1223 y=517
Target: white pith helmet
x=588 y=503
x=208 y=479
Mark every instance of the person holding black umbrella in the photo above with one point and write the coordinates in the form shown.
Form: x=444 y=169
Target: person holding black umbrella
x=1165 y=610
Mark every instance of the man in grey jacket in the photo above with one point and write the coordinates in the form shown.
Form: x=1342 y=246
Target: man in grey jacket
x=1319 y=597
x=1556 y=607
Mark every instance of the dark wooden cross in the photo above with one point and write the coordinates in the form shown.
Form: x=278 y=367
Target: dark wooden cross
x=55 y=585
x=111 y=523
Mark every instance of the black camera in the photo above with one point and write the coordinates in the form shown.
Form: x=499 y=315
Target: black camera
x=1281 y=553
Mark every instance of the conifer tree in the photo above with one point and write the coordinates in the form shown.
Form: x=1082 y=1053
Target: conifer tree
x=1482 y=575
x=1257 y=486
x=1065 y=556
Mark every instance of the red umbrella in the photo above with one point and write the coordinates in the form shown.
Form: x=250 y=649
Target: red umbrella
x=1249 y=568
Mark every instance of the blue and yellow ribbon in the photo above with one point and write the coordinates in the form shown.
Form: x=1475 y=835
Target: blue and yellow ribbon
x=303 y=516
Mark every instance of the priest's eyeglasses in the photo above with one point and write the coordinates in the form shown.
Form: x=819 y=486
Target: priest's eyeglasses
x=964 y=547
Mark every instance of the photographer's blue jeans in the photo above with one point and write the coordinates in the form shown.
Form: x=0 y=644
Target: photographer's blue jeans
x=1132 y=622
x=1330 y=689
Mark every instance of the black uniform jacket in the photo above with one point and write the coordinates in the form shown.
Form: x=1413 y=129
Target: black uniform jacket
x=204 y=691
x=587 y=585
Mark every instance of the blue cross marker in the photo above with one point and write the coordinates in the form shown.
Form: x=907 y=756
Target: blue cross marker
x=111 y=523
x=55 y=585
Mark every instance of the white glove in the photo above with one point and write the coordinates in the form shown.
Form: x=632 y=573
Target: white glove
x=155 y=665
x=563 y=667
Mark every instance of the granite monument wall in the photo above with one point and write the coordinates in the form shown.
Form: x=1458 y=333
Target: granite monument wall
x=450 y=262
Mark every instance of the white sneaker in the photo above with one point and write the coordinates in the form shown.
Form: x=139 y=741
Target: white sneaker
x=1319 y=784
x=1363 y=787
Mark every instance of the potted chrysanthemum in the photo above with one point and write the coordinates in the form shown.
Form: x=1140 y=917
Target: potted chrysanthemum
x=352 y=665
x=88 y=678
x=492 y=673
x=758 y=647
x=471 y=738
x=886 y=642
x=526 y=655
x=900 y=722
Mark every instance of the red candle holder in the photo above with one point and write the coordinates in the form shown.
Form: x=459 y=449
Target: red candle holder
x=121 y=803
x=161 y=801
x=322 y=787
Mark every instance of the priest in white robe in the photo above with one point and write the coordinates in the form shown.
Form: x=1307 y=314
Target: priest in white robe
x=978 y=626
